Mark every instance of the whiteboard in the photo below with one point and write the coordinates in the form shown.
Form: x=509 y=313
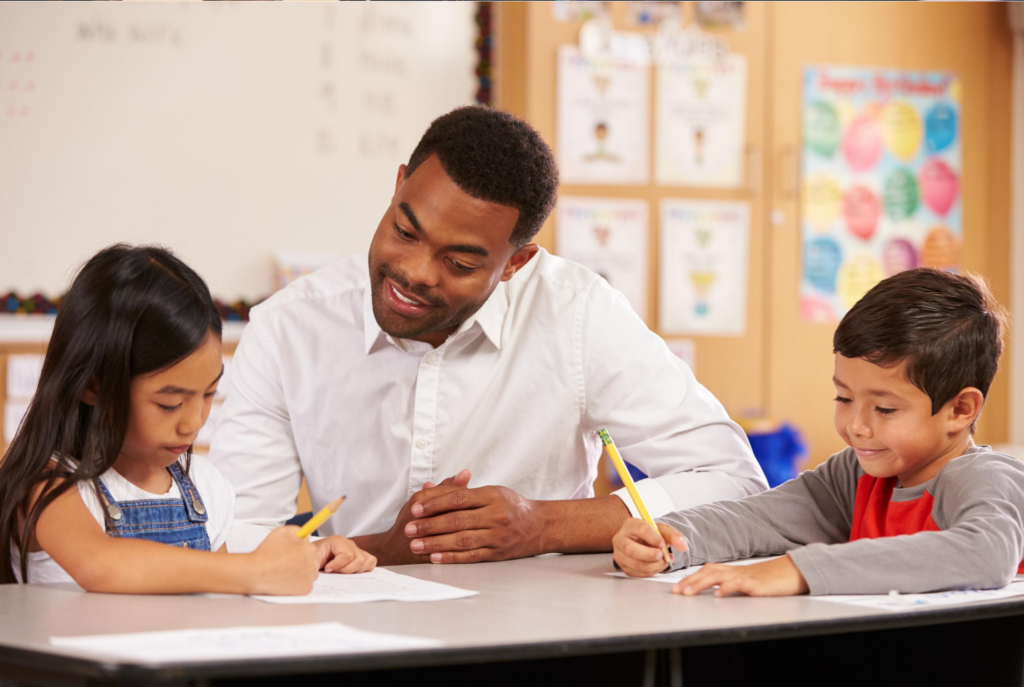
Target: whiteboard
x=227 y=131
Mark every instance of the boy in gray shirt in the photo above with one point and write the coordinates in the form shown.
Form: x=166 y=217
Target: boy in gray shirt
x=912 y=504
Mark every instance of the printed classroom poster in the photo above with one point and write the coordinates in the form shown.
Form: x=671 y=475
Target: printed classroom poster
x=704 y=252
x=701 y=123
x=881 y=181
x=609 y=237
x=603 y=131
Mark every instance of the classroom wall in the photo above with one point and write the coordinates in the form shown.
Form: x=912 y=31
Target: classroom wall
x=782 y=366
x=228 y=131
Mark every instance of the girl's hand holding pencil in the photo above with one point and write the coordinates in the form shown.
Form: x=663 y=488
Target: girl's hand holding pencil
x=284 y=564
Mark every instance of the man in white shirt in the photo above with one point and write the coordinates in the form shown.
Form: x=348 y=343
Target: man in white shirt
x=460 y=344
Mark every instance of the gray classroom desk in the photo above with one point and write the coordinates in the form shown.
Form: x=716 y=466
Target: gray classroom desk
x=539 y=608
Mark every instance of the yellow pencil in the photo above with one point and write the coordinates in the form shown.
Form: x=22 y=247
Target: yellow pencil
x=627 y=480
x=319 y=519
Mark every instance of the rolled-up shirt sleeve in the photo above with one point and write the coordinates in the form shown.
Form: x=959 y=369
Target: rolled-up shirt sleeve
x=253 y=445
x=661 y=418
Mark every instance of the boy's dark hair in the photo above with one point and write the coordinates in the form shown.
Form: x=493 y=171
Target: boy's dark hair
x=946 y=327
x=496 y=157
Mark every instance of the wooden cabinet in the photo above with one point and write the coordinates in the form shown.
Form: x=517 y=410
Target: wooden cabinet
x=782 y=366
x=974 y=41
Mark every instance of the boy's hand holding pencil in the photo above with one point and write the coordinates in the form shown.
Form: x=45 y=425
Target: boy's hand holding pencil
x=640 y=530
x=640 y=550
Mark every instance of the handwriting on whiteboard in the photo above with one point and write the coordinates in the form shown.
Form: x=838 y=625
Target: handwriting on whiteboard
x=99 y=31
x=379 y=68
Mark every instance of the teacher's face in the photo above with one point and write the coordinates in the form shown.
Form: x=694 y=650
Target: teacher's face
x=437 y=255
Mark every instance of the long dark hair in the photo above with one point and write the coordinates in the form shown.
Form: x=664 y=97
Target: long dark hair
x=130 y=311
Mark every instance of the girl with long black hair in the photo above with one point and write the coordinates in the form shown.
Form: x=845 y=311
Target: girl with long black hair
x=100 y=485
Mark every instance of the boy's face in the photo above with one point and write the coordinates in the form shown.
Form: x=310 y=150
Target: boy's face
x=889 y=422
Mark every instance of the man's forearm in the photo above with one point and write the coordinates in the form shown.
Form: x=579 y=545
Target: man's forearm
x=581 y=525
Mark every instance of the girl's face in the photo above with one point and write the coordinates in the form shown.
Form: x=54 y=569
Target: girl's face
x=169 y=407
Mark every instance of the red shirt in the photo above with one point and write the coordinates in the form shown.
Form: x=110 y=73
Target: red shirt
x=876 y=515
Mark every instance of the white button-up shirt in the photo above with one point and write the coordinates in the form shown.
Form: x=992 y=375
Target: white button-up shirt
x=516 y=395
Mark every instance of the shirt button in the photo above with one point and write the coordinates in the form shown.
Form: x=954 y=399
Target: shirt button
x=432 y=358
x=422 y=443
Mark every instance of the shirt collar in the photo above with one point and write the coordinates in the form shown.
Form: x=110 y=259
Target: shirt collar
x=490 y=317
x=372 y=332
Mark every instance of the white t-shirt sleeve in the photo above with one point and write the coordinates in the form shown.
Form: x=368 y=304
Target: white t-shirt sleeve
x=92 y=500
x=218 y=497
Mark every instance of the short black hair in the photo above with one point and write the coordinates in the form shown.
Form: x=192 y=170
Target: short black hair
x=947 y=327
x=497 y=157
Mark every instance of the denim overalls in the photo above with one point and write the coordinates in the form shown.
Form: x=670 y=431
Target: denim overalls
x=168 y=521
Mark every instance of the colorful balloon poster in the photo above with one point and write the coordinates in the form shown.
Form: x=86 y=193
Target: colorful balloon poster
x=607 y=236
x=880 y=190
x=702 y=274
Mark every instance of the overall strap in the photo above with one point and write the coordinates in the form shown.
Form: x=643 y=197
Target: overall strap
x=113 y=510
x=189 y=494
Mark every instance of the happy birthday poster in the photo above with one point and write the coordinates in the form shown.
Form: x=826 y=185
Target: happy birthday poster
x=608 y=236
x=880 y=181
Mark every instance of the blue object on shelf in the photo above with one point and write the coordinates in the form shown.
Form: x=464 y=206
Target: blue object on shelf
x=301 y=519
x=777 y=452
x=635 y=472
x=613 y=477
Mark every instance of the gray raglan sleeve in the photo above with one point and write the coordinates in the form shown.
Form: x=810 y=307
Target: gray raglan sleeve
x=979 y=501
x=816 y=507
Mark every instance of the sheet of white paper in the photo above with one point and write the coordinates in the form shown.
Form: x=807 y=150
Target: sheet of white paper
x=887 y=602
x=917 y=602
x=674 y=577
x=603 y=132
x=23 y=375
x=607 y=236
x=701 y=117
x=378 y=585
x=703 y=253
x=235 y=643
x=14 y=413
x=685 y=350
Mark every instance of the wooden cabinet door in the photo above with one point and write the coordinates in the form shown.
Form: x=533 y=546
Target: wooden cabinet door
x=971 y=39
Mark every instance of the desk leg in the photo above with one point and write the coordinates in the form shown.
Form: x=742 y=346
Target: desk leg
x=663 y=668
x=675 y=667
x=650 y=669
